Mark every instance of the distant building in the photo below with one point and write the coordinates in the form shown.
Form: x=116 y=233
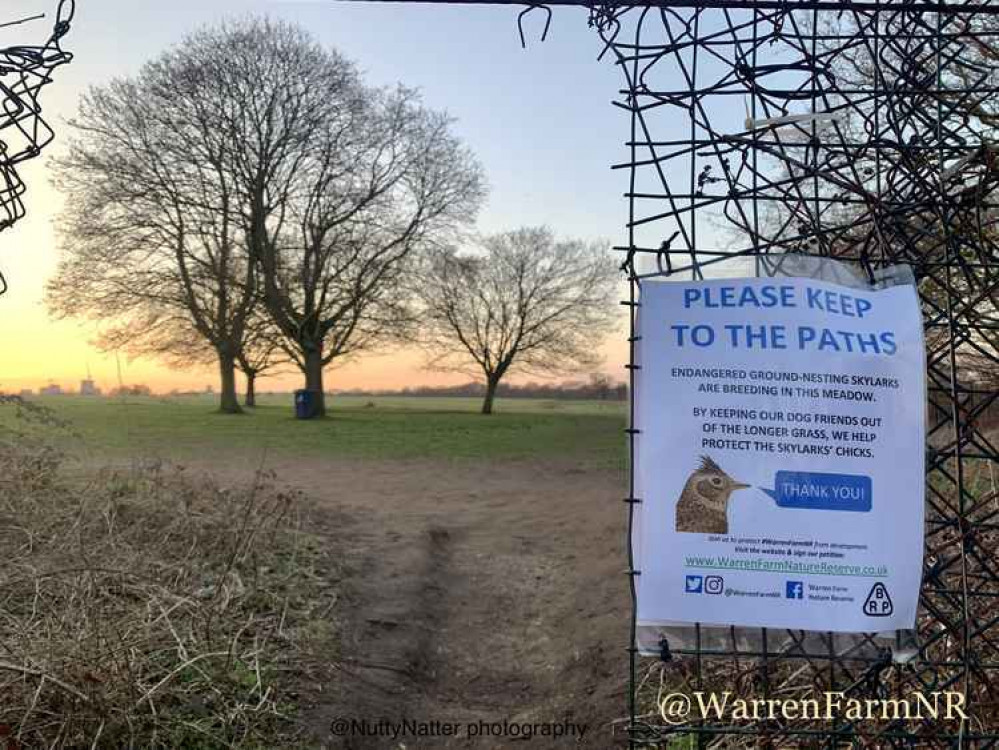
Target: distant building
x=87 y=386
x=52 y=389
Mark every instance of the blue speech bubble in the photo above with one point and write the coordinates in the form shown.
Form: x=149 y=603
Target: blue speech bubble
x=814 y=491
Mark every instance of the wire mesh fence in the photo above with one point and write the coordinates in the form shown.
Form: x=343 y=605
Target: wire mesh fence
x=24 y=71
x=862 y=132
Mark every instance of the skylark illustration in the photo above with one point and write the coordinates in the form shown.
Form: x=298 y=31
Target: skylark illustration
x=703 y=504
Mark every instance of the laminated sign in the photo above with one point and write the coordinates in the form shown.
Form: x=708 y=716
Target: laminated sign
x=779 y=458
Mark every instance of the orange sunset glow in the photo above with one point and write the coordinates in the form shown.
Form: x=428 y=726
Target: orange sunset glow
x=40 y=350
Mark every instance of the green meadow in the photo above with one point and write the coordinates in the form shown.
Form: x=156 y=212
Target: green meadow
x=368 y=427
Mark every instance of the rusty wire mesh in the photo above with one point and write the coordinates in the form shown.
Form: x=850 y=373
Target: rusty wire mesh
x=865 y=132
x=24 y=72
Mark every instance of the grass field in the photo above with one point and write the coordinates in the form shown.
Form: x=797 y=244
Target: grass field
x=395 y=532
x=397 y=427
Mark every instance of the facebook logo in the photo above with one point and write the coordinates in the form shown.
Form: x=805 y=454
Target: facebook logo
x=794 y=590
x=694 y=585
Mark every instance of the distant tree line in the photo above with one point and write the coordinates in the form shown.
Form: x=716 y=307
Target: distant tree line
x=131 y=390
x=598 y=388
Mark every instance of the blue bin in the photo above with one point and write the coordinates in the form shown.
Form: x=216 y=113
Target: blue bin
x=305 y=404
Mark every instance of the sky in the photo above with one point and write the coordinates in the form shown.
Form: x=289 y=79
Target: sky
x=539 y=119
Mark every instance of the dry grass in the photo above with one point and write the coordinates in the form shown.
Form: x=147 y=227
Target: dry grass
x=146 y=609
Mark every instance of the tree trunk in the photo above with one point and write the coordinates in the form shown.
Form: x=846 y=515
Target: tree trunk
x=228 y=400
x=491 y=384
x=314 y=379
x=251 y=389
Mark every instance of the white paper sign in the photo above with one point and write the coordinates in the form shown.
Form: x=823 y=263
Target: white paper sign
x=779 y=459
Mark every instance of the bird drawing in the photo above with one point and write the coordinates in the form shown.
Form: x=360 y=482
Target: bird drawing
x=703 y=504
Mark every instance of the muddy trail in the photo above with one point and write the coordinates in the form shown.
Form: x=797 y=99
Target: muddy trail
x=486 y=597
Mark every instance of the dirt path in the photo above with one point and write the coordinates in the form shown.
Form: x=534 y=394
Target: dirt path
x=475 y=594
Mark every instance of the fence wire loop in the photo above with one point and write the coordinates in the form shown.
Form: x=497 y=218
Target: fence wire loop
x=24 y=133
x=520 y=21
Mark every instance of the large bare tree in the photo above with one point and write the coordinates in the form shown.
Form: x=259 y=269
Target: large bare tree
x=250 y=164
x=526 y=300
x=152 y=235
x=341 y=183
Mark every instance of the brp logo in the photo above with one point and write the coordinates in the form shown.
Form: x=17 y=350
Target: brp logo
x=878 y=602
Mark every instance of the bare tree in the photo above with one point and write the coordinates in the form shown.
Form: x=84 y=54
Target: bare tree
x=339 y=183
x=263 y=351
x=152 y=234
x=249 y=163
x=527 y=301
